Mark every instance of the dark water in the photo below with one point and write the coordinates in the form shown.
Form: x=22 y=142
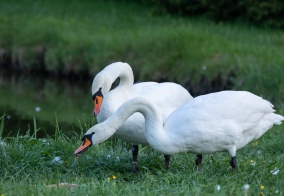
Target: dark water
x=30 y=101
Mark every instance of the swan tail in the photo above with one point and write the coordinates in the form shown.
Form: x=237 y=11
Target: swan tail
x=274 y=119
x=267 y=122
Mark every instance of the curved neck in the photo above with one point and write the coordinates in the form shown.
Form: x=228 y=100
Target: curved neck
x=154 y=132
x=119 y=70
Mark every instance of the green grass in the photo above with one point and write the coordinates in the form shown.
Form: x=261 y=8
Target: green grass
x=28 y=168
x=2 y=125
x=88 y=35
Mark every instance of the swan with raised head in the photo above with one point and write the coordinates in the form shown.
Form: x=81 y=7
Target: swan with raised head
x=167 y=96
x=223 y=121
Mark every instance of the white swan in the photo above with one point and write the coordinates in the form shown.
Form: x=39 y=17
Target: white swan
x=167 y=96
x=223 y=121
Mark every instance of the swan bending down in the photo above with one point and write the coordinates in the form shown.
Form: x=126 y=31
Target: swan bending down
x=167 y=96
x=223 y=121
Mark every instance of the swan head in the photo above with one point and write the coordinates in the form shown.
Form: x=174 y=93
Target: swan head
x=100 y=87
x=103 y=81
x=95 y=135
x=86 y=144
x=98 y=100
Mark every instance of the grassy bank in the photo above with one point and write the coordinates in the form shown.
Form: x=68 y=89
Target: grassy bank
x=82 y=37
x=31 y=166
x=64 y=37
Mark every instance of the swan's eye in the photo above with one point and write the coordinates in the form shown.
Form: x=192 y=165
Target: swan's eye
x=93 y=133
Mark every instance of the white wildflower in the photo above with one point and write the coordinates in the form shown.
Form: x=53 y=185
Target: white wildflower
x=44 y=141
x=245 y=187
x=218 y=187
x=57 y=160
x=252 y=162
x=37 y=109
x=275 y=171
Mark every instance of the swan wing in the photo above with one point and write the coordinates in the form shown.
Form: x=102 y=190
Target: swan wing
x=219 y=120
x=167 y=96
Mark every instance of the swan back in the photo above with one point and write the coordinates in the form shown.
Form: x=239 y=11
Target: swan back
x=218 y=121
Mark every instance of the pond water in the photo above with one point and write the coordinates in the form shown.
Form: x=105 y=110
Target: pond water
x=46 y=103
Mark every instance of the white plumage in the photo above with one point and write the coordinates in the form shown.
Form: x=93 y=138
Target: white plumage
x=223 y=121
x=167 y=96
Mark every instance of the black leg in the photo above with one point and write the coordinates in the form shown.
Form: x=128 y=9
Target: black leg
x=134 y=158
x=233 y=163
x=198 y=161
x=167 y=161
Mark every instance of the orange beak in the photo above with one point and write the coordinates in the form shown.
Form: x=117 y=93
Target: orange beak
x=97 y=104
x=84 y=146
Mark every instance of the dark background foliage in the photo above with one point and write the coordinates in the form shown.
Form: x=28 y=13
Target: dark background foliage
x=268 y=13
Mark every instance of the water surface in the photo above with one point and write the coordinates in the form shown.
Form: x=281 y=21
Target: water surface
x=50 y=102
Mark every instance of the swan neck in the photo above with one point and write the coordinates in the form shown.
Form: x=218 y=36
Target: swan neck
x=124 y=72
x=153 y=119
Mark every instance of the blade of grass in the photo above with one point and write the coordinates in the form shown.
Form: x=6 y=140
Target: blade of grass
x=35 y=128
x=2 y=125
